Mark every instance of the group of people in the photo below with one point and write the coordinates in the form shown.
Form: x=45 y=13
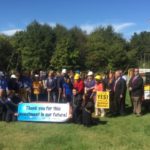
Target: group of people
x=71 y=87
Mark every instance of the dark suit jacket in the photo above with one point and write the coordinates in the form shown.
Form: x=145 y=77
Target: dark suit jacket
x=137 y=87
x=120 y=88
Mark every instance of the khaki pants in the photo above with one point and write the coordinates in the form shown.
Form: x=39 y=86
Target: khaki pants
x=136 y=105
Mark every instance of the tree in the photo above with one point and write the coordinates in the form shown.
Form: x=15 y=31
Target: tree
x=41 y=46
x=36 y=46
x=139 y=46
x=78 y=51
x=6 y=52
x=69 y=48
x=106 y=50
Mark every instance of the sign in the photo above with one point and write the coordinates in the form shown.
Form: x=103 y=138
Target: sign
x=43 y=112
x=102 y=100
x=146 y=95
x=147 y=92
x=144 y=70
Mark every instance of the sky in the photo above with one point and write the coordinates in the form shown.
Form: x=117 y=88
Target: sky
x=126 y=16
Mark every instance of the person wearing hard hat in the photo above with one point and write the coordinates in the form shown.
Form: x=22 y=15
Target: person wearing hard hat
x=37 y=85
x=98 y=87
x=89 y=83
x=13 y=85
x=78 y=84
x=13 y=98
x=25 y=85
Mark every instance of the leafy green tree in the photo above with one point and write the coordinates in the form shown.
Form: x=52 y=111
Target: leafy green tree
x=18 y=44
x=60 y=56
x=140 y=49
x=69 y=48
x=36 y=46
x=6 y=52
x=41 y=46
x=78 y=48
x=106 y=50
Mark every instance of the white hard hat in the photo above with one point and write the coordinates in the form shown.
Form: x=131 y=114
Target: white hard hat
x=13 y=76
x=90 y=73
x=64 y=71
x=36 y=75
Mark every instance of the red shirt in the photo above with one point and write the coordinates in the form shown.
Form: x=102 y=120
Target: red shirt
x=98 y=87
x=79 y=85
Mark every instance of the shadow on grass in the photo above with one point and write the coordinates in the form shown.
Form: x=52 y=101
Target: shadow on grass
x=128 y=111
x=145 y=107
x=94 y=122
x=97 y=121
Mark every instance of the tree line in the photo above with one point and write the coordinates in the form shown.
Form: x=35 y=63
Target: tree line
x=42 y=47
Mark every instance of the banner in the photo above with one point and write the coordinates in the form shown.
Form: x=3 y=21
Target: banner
x=147 y=92
x=144 y=70
x=43 y=112
x=102 y=100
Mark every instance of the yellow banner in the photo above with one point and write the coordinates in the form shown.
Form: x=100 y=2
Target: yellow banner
x=147 y=88
x=102 y=100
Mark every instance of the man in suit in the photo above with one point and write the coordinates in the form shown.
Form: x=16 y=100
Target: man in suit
x=119 y=92
x=51 y=85
x=137 y=90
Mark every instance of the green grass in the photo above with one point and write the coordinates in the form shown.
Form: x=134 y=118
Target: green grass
x=120 y=133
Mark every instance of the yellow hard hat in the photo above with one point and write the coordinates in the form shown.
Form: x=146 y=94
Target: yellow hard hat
x=98 y=77
x=76 y=77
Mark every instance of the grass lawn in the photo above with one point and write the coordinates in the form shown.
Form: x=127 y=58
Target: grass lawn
x=120 y=133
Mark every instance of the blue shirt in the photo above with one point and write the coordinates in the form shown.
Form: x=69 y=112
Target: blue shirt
x=68 y=90
x=3 y=83
x=25 y=82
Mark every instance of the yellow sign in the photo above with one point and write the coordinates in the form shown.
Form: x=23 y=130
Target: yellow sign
x=146 y=87
x=102 y=100
x=146 y=92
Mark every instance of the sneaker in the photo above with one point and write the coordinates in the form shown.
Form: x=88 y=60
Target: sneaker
x=96 y=115
x=102 y=115
x=138 y=115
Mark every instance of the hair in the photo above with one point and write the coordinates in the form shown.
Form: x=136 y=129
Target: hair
x=75 y=89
